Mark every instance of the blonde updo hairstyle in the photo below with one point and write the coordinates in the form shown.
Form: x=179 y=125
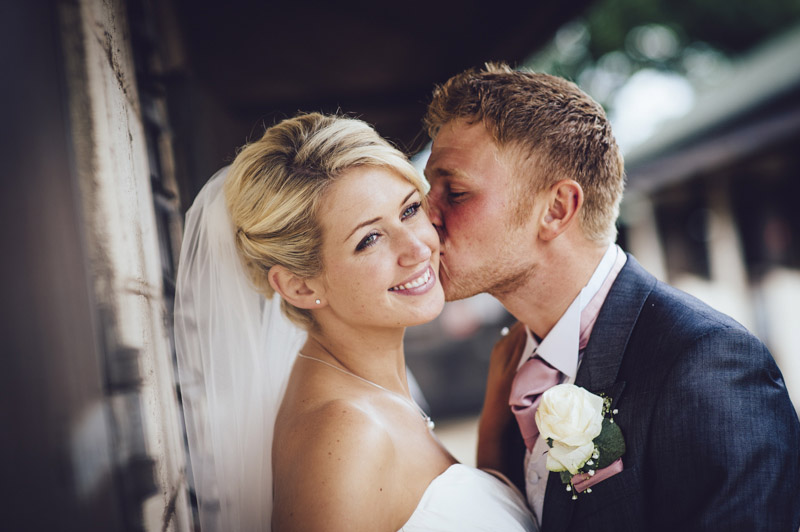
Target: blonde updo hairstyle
x=276 y=184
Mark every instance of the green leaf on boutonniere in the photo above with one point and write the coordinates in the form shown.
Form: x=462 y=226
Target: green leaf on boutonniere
x=610 y=443
x=566 y=477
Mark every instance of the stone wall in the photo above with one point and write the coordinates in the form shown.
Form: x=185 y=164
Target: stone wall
x=113 y=177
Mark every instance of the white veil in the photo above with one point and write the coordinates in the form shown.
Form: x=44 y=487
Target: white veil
x=235 y=351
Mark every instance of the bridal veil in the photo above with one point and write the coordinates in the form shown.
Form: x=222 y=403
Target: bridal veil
x=235 y=352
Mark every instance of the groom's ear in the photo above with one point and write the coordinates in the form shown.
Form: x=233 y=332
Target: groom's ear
x=294 y=289
x=564 y=200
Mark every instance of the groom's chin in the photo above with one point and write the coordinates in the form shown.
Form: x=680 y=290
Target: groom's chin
x=447 y=287
x=454 y=291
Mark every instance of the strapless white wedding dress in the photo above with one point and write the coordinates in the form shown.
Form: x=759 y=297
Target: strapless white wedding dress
x=465 y=499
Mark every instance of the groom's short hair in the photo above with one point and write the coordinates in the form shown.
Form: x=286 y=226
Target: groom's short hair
x=556 y=129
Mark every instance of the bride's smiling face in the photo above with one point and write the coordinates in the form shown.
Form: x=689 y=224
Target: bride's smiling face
x=380 y=252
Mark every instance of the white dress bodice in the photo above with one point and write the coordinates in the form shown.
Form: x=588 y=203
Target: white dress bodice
x=466 y=499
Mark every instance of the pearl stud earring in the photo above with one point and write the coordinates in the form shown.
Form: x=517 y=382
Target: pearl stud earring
x=317 y=301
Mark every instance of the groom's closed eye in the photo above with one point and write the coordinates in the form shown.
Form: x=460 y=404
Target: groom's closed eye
x=456 y=197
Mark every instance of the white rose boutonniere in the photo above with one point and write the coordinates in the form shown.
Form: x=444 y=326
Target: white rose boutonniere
x=580 y=431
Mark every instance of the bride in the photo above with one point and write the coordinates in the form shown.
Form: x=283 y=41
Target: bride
x=303 y=263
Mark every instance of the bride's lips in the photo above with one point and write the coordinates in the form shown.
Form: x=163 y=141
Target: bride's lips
x=418 y=284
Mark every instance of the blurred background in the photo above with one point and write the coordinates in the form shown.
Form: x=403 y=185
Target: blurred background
x=116 y=112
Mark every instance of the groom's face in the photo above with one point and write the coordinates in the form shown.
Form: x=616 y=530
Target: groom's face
x=473 y=198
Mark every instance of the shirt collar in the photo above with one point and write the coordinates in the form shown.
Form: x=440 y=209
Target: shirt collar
x=561 y=345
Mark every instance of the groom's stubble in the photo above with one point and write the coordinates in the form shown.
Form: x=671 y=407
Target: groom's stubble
x=497 y=278
x=497 y=274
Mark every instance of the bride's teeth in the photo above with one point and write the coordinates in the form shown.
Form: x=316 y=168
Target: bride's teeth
x=421 y=280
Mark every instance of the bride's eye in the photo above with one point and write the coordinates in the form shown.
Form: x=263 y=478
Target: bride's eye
x=411 y=210
x=368 y=240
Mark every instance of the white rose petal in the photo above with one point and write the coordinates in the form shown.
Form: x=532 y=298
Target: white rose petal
x=570 y=415
x=567 y=458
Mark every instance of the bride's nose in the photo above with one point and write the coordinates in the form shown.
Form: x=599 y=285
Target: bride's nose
x=413 y=249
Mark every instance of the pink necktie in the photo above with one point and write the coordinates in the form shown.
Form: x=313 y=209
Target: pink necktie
x=533 y=378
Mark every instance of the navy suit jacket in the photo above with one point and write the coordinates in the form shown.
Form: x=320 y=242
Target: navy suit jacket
x=713 y=441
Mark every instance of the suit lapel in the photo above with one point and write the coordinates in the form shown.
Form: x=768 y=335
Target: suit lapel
x=613 y=328
x=600 y=367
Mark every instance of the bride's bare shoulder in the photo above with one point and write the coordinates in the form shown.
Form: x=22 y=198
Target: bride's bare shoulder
x=333 y=466
x=312 y=424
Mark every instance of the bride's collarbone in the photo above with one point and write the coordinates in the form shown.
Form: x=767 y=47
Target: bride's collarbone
x=317 y=421
x=342 y=432
x=340 y=394
x=370 y=409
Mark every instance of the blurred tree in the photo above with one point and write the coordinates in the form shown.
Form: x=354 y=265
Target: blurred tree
x=620 y=37
x=621 y=49
x=731 y=26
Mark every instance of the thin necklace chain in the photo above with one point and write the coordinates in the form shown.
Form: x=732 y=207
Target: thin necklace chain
x=425 y=417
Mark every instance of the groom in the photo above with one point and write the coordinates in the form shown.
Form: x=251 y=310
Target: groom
x=526 y=180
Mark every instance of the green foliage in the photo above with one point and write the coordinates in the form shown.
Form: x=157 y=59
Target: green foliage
x=731 y=26
x=610 y=21
x=611 y=38
x=611 y=444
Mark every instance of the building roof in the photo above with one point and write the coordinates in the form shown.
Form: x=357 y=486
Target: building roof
x=756 y=105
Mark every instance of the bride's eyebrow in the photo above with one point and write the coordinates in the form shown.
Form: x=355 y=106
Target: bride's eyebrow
x=372 y=221
x=362 y=224
x=409 y=195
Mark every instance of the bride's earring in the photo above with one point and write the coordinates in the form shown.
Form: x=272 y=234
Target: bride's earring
x=317 y=301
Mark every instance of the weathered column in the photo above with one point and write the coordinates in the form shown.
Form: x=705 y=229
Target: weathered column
x=115 y=195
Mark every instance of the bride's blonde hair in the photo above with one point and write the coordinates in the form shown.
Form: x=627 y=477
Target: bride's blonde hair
x=275 y=186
